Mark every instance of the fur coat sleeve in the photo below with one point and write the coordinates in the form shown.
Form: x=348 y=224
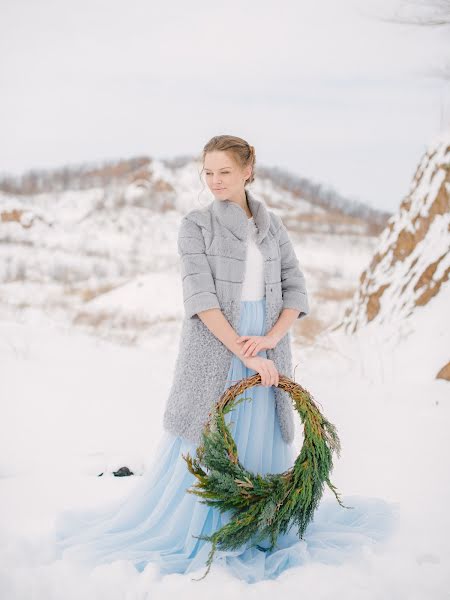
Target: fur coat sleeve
x=199 y=291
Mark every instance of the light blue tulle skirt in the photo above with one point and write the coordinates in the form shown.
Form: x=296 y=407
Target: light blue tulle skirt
x=158 y=521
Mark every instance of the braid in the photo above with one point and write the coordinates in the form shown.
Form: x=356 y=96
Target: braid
x=251 y=161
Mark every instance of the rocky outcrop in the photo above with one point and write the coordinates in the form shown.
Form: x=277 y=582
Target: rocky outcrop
x=411 y=262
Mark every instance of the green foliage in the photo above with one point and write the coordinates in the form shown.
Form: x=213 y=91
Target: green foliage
x=262 y=507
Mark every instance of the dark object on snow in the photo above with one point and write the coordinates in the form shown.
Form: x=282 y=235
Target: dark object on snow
x=123 y=472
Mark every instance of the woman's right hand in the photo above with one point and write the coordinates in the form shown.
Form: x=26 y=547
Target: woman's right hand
x=265 y=367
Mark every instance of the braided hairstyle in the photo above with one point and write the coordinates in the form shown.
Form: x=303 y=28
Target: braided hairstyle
x=242 y=152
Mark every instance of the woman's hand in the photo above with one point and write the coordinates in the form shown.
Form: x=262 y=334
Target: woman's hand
x=252 y=344
x=265 y=367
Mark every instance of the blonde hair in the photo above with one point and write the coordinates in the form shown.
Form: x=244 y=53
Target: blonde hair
x=242 y=152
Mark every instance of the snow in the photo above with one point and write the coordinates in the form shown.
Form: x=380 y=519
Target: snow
x=94 y=259
x=430 y=230
x=75 y=406
x=90 y=318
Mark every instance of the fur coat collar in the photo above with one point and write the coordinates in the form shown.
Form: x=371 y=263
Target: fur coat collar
x=235 y=219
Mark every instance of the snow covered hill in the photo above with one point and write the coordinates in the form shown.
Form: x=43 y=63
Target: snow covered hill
x=75 y=406
x=96 y=244
x=410 y=267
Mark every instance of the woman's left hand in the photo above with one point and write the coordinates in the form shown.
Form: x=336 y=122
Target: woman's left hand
x=252 y=344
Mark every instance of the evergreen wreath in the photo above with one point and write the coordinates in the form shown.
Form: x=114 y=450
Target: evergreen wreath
x=262 y=506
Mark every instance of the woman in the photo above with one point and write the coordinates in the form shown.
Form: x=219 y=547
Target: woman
x=242 y=291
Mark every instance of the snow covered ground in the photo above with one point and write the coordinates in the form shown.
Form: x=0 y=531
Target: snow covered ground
x=74 y=406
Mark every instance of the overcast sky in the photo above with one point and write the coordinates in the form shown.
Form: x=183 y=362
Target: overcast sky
x=324 y=89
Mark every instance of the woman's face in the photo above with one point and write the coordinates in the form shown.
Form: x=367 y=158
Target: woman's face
x=225 y=178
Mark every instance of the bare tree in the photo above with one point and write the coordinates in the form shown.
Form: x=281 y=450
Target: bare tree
x=429 y=13
x=424 y=13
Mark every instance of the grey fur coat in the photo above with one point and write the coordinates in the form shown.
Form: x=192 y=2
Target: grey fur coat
x=212 y=243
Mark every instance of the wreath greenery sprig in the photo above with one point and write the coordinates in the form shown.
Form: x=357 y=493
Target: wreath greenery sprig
x=262 y=506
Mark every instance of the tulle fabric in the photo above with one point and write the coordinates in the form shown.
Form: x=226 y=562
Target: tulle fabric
x=158 y=520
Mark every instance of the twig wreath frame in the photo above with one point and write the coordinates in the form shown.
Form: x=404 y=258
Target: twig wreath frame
x=262 y=506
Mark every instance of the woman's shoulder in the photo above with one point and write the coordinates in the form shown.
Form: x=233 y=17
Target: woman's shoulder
x=202 y=217
x=197 y=217
x=275 y=222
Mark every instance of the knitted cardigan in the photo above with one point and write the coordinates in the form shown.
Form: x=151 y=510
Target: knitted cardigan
x=212 y=244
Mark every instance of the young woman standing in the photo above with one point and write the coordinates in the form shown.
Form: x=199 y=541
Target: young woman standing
x=242 y=291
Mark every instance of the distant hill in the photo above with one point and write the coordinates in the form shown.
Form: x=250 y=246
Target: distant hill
x=90 y=242
x=153 y=178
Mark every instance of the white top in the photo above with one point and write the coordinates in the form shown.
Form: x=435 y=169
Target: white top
x=253 y=287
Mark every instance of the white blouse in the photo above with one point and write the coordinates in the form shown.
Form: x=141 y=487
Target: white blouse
x=253 y=287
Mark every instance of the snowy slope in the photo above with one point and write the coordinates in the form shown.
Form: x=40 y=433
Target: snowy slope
x=410 y=268
x=74 y=406
x=412 y=258
x=67 y=253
